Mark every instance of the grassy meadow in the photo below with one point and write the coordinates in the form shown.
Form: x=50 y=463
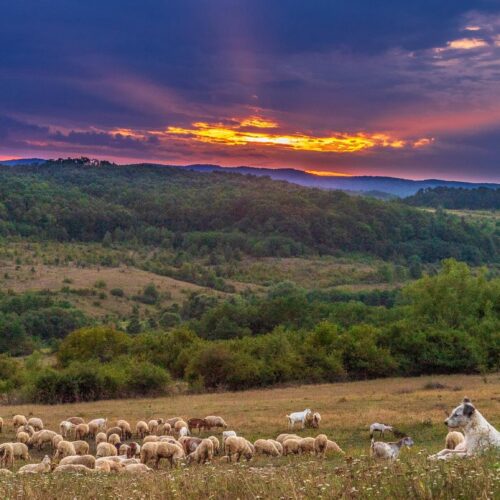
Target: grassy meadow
x=415 y=406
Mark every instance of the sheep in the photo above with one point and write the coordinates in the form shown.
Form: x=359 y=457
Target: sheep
x=141 y=429
x=56 y=440
x=283 y=437
x=105 y=450
x=42 y=468
x=189 y=444
x=26 y=428
x=173 y=452
x=136 y=469
x=196 y=423
x=40 y=438
x=307 y=445
x=102 y=466
x=184 y=431
x=266 y=447
x=453 y=439
x=21 y=451
x=76 y=420
x=333 y=446
x=204 y=452
x=36 y=423
x=96 y=425
x=316 y=420
x=216 y=443
x=66 y=428
x=179 y=425
x=170 y=439
x=64 y=449
x=278 y=445
x=114 y=439
x=1 y=424
x=320 y=445
x=87 y=460
x=6 y=455
x=238 y=446
x=113 y=430
x=134 y=450
x=291 y=446
x=164 y=429
x=81 y=447
x=298 y=417
x=173 y=421
x=126 y=430
x=81 y=431
x=153 y=426
x=150 y=439
x=101 y=438
x=23 y=437
x=381 y=428
x=112 y=466
x=123 y=450
x=389 y=451
x=18 y=420
x=78 y=468
x=215 y=421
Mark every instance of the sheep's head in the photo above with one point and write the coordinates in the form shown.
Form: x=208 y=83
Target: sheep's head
x=461 y=415
x=407 y=441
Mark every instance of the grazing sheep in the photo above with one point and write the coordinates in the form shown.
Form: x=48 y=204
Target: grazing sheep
x=105 y=450
x=227 y=434
x=114 y=439
x=389 y=451
x=56 y=440
x=66 y=428
x=123 y=450
x=170 y=439
x=238 y=446
x=41 y=438
x=320 y=445
x=381 y=428
x=172 y=452
x=22 y=437
x=333 y=446
x=283 y=437
x=102 y=466
x=36 y=423
x=113 y=430
x=81 y=431
x=136 y=469
x=148 y=452
x=18 y=420
x=101 y=438
x=172 y=421
x=307 y=445
x=42 y=468
x=76 y=420
x=453 y=439
x=216 y=443
x=164 y=429
x=64 y=449
x=76 y=468
x=189 y=444
x=298 y=417
x=81 y=447
x=291 y=445
x=153 y=426
x=215 y=421
x=151 y=439
x=21 y=451
x=87 y=460
x=179 y=425
x=112 y=466
x=97 y=425
x=134 y=450
x=26 y=428
x=141 y=429
x=316 y=420
x=278 y=445
x=6 y=455
x=204 y=452
x=126 y=430
x=266 y=447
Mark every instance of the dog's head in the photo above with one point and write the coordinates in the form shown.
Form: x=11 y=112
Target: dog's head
x=461 y=415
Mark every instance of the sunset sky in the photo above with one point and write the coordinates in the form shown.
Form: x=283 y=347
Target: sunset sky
x=408 y=89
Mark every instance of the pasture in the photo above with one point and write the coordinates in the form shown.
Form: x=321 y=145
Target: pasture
x=415 y=406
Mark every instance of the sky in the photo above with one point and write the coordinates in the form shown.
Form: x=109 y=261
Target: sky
x=351 y=87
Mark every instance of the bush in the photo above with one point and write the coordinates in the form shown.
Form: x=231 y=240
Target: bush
x=117 y=292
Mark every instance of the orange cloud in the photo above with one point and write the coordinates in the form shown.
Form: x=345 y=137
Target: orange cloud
x=464 y=44
x=323 y=173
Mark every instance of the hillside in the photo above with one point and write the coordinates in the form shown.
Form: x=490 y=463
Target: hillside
x=480 y=198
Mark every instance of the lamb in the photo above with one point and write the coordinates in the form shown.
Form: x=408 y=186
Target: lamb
x=21 y=451
x=215 y=421
x=204 y=452
x=298 y=417
x=97 y=425
x=381 y=428
x=18 y=420
x=81 y=447
x=36 y=423
x=42 y=468
x=105 y=450
x=216 y=443
x=389 y=451
x=453 y=439
x=307 y=445
x=76 y=420
x=266 y=447
x=136 y=469
x=238 y=446
x=6 y=455
x=64 y=449
x=283 y=437
x=291 y=445
x=141 y=429
x=66 y=428
x=77 y=468
x=23 y=437
x=479 y=434
x=81 y=431
x=101 y=438
x=126 y=430
x=114 y=439
x=86 y=460
x=320 y=445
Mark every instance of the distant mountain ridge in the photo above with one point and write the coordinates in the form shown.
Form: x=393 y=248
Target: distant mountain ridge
x=378 y=186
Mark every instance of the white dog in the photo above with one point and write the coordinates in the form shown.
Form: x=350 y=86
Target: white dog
x=479 y=434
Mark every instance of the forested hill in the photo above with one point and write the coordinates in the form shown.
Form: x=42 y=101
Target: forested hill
x=203 y=213
x=476 y=199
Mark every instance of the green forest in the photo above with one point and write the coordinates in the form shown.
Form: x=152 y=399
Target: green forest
x=425 y=295
x=457 y=198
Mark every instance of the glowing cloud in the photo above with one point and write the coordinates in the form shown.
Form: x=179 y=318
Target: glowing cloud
x=465 y=44
x=323 y=173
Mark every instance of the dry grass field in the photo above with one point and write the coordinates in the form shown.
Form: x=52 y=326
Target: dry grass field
x=416 y=406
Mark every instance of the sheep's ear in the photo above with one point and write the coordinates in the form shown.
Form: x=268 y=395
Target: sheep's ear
x=466 y=400
x=468 y=409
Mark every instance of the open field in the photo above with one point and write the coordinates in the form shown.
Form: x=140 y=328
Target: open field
x=416 y=406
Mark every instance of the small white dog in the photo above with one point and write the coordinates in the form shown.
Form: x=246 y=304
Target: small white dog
x=479 y=433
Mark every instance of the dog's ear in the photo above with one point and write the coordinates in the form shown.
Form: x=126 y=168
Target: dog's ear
x=468 y=409
x=466 y=400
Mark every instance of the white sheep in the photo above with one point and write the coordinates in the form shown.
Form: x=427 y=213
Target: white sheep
x=66 y=428
x=266 y=447
x=87 y=460
x=36 y=423
x=141 y=429
x=105 y=450
x=18 y=420
x=42 y=468
x=239 y=447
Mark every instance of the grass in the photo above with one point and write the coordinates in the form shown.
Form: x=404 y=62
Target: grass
x=416 y=406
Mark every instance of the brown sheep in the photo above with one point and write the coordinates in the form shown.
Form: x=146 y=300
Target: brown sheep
x=204 y=452
x=87 y=460
x=141 y=429
x=81 y=431
x=453 y=439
